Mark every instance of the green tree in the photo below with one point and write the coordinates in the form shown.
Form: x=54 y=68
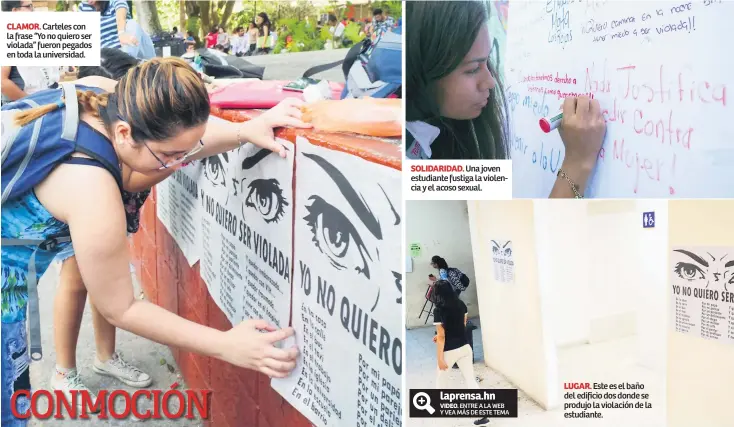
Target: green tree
x=169 y=13
x=215 y=13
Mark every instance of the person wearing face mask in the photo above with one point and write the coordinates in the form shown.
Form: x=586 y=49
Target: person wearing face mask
x=120 y=145
x=455 y=105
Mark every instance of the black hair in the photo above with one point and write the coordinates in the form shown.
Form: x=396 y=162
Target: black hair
x=440 y=262
x=114 y=64
x=8 y=6
x=332 y=18
x=175 y=29
x=266 y=20
x=446 y=297
x=376 y=12
x=429 y=58
x=103 y=5
x=240 y=28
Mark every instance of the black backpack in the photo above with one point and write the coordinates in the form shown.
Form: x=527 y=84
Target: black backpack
x=458 y=279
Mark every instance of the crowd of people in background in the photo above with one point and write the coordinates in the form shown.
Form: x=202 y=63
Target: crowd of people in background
x=118 y=30
x=260 y=36
x=258 y=39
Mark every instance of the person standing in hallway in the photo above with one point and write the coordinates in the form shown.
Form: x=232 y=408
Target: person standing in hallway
x=452 y=275
x=450 y=317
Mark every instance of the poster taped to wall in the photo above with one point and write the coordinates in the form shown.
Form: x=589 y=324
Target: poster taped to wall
x=503 y=261
x=702 y=280
x=246 y=240
x=178 y=209
x=347 y=291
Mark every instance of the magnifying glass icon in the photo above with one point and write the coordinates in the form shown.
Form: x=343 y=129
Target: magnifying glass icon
x=422 y=401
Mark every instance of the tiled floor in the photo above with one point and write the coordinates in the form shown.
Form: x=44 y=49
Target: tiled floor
x=613 y=362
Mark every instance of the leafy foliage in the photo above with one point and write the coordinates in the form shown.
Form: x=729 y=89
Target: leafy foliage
x=393 y=8
x=168 y=13
x=304 y=36
x=352 y=32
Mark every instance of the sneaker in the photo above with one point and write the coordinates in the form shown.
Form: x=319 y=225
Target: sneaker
x=72 y=381
x=481 y=422
x=123 y=371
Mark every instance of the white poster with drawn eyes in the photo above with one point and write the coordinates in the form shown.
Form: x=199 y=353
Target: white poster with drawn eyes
x=177 y=207
x=702 y=280
x=503 y=261
x=347 y=291
x=246 y=236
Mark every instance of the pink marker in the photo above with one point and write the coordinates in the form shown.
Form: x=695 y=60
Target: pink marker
x=550 y=123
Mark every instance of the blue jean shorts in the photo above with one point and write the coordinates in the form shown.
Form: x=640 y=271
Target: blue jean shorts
x=66 y=253
x=15 y=372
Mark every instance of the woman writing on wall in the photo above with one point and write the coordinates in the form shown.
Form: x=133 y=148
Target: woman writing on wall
x=455 y=105
x=82 y=196
x=450 y=317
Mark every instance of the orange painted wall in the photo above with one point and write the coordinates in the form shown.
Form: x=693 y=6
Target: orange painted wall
x=240 y=398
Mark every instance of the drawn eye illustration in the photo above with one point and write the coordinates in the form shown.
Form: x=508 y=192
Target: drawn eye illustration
x=214 y=169
x=266 y=197
x=398 y=283
x=495 y=250
x=688 y=271
x=508 y=252
x=334 y=235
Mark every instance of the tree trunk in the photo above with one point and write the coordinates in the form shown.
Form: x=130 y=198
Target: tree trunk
x=206 y=24
x=227 y=12
x=147 y=16
x=192 y=8
x=182 y=16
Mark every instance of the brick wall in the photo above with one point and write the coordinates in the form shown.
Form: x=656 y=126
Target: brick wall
x=241 y=398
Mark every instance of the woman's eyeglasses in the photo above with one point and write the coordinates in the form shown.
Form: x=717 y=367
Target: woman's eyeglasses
x=178 y=160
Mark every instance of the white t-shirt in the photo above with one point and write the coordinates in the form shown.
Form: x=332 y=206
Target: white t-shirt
x=338 y=30
x=39 y=78
x=239 y=44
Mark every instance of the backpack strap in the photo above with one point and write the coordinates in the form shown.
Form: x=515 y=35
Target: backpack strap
x=348 y=60
x=323 y=67
x=71 y=113
x=29 y=155
x=98 y=147
x=34 y=315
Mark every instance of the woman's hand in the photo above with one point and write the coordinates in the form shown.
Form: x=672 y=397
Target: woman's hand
x=259 y=131
x=582 y=131
x=442 y=364
x=247 y=347
x=128 y=39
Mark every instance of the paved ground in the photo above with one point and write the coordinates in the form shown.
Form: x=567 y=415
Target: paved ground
x=289 y=66
x=145 y=354
x=610 y=362
x=421 y=373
